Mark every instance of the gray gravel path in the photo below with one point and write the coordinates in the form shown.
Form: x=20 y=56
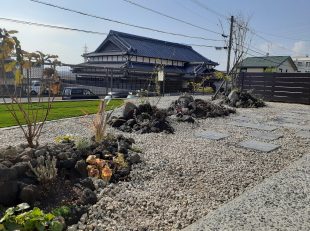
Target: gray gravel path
x=281 y=202
x=182 y=177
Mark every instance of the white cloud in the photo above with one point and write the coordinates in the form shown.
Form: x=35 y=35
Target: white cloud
x=274 y=49
x=301 y=48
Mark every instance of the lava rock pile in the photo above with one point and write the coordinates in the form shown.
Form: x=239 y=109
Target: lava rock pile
x=142 y=119
x=187 y=109
x=243 y=99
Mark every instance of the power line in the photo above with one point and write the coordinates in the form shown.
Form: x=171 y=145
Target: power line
x=85 y=31
x=269 y=41
x=173 y=18
x=203 y=45
x=209 y=9
x=241 y=26
x=52 y=26
x=283 y=37
x=122 y=23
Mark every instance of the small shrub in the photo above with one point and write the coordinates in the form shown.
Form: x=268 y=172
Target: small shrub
x=136 y=149
x=82 y=143
x=68 y=138
x=98 y=168
x=100 y=122
x=46 y=170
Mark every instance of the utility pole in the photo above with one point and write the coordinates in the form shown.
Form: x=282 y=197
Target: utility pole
x=229 y=49
x=85 y=52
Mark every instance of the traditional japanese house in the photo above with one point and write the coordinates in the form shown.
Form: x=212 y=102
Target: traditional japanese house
x=127 y=61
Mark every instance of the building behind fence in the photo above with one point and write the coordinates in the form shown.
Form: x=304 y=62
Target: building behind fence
x=278 y=87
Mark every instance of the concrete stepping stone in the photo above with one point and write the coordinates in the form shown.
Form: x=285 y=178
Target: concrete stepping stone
x=294 y=126
x=259 y=146
x=242 y=118
x=252 y=125
x=301 y=112
x=303 y=134
x=211 y=135
x=294 y=120
x=265 y=136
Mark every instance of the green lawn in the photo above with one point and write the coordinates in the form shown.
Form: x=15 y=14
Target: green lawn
x=59 y=110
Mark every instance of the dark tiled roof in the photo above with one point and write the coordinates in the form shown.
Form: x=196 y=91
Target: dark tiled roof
x=267 y=61
x=149 y=47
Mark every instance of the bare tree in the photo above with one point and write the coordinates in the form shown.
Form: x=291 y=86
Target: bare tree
x=241 y=42
x=16 y=66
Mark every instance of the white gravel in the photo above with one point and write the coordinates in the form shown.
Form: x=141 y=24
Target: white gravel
x=182 y=178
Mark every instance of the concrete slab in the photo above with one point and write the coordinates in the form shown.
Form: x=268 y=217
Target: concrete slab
x=303 y=134
x=259 y=146
x=211 y=135
x=255 y=126
x=280 y=202
x=265 y=135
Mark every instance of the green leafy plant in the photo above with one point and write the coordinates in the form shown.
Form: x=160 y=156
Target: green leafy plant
x=45 y=170
x=18 y=218
x=63 y=211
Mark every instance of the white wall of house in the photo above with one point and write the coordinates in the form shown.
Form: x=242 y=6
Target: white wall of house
x=286 y=67
x=303 y=64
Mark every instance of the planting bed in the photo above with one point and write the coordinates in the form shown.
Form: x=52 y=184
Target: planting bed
x=20 y=180
x=181 y=177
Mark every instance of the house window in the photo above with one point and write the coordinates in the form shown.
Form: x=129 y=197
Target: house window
x=104 y=58
x=299 y=64
x=139 y=59
x=307 y=64
x=169 y=62
x=165 y=61
x=152 y=60
x=146 y=60
x=158 y=61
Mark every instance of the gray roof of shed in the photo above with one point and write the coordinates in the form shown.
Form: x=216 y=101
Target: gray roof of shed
x=149 y=47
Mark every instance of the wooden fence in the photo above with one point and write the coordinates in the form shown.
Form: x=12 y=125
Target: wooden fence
x=278 y=87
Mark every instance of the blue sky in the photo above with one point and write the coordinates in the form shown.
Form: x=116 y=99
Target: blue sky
x=284 y=24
